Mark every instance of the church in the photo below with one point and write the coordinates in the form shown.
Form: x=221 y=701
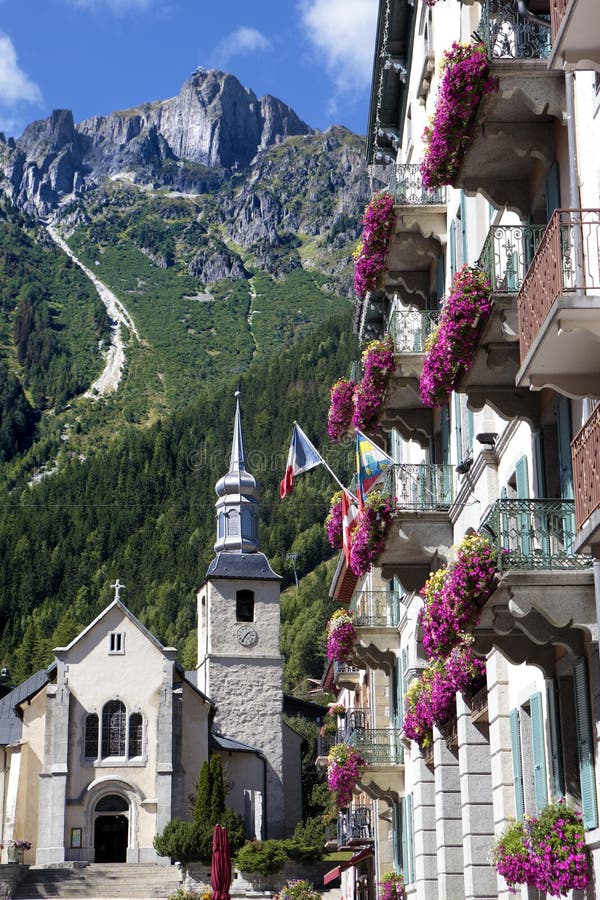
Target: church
x=102 y=749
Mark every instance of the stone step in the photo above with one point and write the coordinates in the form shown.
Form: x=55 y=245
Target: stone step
x=119 y=880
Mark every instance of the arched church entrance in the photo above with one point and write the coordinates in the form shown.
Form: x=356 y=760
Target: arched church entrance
x=111 y=829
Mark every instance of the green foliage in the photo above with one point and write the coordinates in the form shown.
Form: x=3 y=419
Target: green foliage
x=181 y=841
x=311 y=833
x=182 y=894
x=315 y=795
x=298 y=890
x=217 y=790
x=210 y=810
x=17 y=418
x=262 y=857
x=203 y=794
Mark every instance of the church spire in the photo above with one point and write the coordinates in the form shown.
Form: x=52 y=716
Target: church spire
x=237 y=506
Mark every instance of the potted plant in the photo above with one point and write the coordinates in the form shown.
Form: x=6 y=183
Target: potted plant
x=344 y=765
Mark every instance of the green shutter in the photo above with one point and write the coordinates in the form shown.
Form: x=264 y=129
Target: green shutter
x=585 y=747
x=540 y=785
x=515 y=740
x=409 y=840
x=403 y=867
x=563 y=425
x=463 y=228
x=558 y=789
x=452 y=243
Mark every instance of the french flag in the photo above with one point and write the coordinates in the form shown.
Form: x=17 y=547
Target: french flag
x=302 y=456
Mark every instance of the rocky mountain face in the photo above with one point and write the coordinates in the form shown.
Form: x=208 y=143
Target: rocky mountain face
x=189 y=142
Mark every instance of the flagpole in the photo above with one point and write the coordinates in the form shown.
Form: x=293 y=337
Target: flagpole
x=328 y=467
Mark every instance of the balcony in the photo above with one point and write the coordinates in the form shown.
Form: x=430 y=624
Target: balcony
x=574 y=34
x=345 y=676
x=544 y=595
x=355 y=826
x=417 y=241
x=403 y=408
x=559 y=307
x=513 y=128
x=505 y=257
x=421 y=532
x=376 y=615
x=585 y=453
x=379 y=747
x=324 y=744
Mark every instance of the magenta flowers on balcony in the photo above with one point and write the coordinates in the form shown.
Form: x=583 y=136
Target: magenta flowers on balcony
x=334 y=523
x=368 y=541
x=378 y=365
x=466 y=78
x=341 y=408
x=451 y=345
x=344 y=766
x=341 y=635
x=378 y=226
x=546 y=852
x=392 y=886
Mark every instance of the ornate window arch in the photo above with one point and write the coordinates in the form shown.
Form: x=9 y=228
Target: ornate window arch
x=136 y=735
x=114 y=729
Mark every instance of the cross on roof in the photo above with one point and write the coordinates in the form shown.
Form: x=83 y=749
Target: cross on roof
x=118 y=588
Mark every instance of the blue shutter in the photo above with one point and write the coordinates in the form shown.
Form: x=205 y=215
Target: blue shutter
x=440 y=281
x=558 y=789
x=585 y=747
x=525 y=524
x=515 y=741
x=463 y=228
x=452 y=243
x=400 y=865
x=409 y=840
x=552 y=191
x=402 y=685
x=538 y=746
x=563 y=425
x=458 y=428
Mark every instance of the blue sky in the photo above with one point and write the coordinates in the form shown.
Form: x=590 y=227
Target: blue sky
x=96 y=56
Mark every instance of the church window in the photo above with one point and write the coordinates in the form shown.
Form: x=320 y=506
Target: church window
x=135 y=734
x=91 y=735
x=244 y=606
x=114 y=724
x=116 y=642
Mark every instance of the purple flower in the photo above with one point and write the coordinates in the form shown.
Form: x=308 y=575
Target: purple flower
x=341 y=409
x=378 y=226
x=334 y=522
x=344 y=765
x=368 y=540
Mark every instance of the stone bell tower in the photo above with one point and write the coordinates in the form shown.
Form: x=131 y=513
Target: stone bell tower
x=240 y=666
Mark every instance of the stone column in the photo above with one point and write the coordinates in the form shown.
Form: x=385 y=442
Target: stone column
x=424 y=840
x=448 y=820
x=476 y=796
x=503 y=789
x=53 y=776
x=164 y=749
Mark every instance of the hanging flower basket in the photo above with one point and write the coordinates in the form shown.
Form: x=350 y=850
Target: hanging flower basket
x=392 y=887
x=546 y=852
x=334 y=522
x=378 y=365
x=465 y=80
x=341 y=409
x=368 y=541
x=451 y=345
x=378 y=226
x=341 y=635
x=344 y=765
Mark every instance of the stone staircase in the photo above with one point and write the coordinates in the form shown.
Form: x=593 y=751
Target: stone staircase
x=100 y=880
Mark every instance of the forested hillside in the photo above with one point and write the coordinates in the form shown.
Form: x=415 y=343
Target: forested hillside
x=143 y=511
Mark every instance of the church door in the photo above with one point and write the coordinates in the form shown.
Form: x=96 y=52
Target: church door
x=111 y=830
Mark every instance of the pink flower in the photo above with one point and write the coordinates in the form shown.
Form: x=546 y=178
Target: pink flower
x=378 y=226
x=341 y=409
x=368 y=541
x=344 y=765
x=378 y=365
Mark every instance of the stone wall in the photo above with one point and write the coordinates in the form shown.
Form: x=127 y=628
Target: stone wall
x=197 y=878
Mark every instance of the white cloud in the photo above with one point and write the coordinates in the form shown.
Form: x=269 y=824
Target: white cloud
x=15 y=86
x=343 y=32
x=241 y=40
x=118 y=6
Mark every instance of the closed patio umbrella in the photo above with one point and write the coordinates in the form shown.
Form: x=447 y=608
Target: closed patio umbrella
x=220 y=866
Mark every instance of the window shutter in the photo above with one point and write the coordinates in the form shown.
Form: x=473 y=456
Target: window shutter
x=400 y=865
x=585 y=745
x=409 y=840
x=558 y=781
x=540 y=784
x=463 y=229
x=452 y=244
x=515 y=740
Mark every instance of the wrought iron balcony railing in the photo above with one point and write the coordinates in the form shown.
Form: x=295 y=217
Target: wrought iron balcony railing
x=585 y=453
x=507 y=254
x=340 y=668
x=410 y=328
x=567 y=262
x=376 y=609
x=355 y=824
x=509 y=33
x=378 y=746
x=355 y=723
x=533 y=534
x=421 y=487
x=407 y=187
x=326 y=741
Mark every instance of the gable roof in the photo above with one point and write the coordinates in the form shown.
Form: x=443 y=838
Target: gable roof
x=10 y=723
x=126 y=612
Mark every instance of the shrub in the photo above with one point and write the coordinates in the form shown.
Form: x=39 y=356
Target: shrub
x=262 y=857
x=181 y=841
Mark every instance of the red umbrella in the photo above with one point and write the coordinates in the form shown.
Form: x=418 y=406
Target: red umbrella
x=220 y=866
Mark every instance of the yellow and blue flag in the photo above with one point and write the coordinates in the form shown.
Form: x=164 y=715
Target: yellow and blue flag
x=371 y=462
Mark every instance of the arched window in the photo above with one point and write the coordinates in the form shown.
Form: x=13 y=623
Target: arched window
x=244 y=606
x=114 y=725
x=91 y=735
x=135 y=734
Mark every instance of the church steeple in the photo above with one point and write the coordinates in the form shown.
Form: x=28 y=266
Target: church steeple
x=237 y=506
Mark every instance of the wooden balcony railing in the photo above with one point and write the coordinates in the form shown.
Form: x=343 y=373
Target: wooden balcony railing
x=557 y=14
x=533 y=534
x=567 y=261
x=507 y=254
x=585 y=452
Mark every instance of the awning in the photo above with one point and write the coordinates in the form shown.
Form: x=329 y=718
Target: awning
x=353 y=861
